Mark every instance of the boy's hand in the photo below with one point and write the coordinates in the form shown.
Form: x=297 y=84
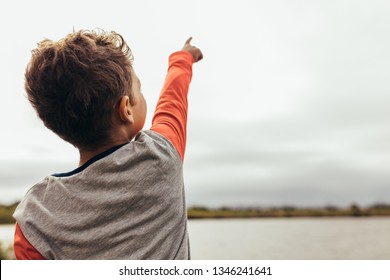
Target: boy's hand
x=194 y=51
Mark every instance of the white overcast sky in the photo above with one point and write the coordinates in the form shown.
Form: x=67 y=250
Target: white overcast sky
x=290 y=106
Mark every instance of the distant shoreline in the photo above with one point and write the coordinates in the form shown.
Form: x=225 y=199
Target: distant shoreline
x=377 y=210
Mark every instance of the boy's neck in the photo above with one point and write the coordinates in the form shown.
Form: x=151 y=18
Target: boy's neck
x=119 y=136
x=86 y=155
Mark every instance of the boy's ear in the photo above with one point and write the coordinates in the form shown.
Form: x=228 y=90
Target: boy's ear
x=125 y=111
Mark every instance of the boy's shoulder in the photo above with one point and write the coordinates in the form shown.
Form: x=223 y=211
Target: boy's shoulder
x=131 y=163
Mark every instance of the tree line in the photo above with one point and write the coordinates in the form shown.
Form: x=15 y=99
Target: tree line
x=199 y=212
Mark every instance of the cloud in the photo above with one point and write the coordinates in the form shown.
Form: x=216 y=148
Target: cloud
x=288 y=160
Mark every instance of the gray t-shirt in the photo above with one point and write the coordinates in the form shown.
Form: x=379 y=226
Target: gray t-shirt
x=127 y=203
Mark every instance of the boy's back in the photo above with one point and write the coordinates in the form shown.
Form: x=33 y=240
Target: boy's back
x=135 y=194
x=125 y=202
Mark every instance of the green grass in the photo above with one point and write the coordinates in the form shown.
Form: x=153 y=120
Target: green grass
x=6 y=212
x=6 y=252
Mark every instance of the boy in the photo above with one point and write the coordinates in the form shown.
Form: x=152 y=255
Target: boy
x=126 y=198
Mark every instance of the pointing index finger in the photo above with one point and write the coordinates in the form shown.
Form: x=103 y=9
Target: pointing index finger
x=188 y=42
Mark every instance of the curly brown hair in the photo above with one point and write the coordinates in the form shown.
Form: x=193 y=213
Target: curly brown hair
x=75 y=83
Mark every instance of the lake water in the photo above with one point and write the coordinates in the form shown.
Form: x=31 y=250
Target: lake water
x=295 y=238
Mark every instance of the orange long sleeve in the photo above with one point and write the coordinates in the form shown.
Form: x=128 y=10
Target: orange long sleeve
x=23 y=248
x=170 y=117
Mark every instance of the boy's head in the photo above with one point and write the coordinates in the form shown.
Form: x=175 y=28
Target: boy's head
x=84 y=89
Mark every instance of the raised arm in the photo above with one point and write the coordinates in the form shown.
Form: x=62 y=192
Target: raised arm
x=170 y=117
